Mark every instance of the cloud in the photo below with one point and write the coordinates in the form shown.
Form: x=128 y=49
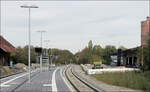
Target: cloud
x=72 y=24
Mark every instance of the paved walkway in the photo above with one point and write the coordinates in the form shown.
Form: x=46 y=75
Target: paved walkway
x=102 y=85
x=45 y=81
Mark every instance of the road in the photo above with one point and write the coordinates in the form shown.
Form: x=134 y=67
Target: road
x=44 y=81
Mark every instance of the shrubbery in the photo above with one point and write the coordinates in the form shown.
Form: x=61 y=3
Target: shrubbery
x=134 y=80
x=95 y=53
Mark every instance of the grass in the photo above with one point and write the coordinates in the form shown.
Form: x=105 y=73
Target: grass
x=134 y=80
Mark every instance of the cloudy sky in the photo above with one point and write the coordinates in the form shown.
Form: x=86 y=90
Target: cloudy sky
x=70 y=25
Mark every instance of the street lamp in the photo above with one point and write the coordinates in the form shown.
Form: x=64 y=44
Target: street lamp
x=41 y=31
x=29 y=54
x=47 y=45
x=51 y=55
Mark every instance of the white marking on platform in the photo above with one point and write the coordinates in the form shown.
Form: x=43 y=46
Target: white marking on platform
x=54 y=87
x=71 y=89
x=47 y=85
x=4 y=83
x=13 y=83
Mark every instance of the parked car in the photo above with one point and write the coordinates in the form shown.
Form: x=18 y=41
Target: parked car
x=97 y=65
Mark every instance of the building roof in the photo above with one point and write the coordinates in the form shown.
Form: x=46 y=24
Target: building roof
x=6 y=46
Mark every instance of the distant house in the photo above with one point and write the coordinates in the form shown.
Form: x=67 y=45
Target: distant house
x=5 y=49
x=114 y=60
x=126 y=57
x=130 y=57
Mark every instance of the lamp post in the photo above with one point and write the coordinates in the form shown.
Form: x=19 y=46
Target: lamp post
x=29 y=25
x=41 y=31
x=51 y=55
x=47 y=45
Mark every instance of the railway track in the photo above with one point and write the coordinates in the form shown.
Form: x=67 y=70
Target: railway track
x=78 y=84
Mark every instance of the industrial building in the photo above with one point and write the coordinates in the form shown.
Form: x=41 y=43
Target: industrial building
x=5 y=49
x=129 y=57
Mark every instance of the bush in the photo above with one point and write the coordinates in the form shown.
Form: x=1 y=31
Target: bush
x=134 y=80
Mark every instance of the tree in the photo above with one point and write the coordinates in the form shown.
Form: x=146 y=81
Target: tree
x=90 y=45
x=96 y=58
x=139 y=54
x=146 y=54
x=83 y=56
x=77 y=56
x=12 y=56
x=33 y=57
x=90 y=51
x=122 y=48
x=21 y=55
x=92 y=54
x=63 y=56
x=107 y=52
x=97 y=49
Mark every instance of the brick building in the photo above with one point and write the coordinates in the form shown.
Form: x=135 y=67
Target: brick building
x=5 y=49
x=130 y=55
x=145 y=34
x=145 y=31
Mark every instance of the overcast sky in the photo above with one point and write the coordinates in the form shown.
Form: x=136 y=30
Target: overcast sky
x=70 y=25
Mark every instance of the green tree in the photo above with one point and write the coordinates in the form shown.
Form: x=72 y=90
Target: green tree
x=95 y=53
x=82 y=57
x=97 y=58
x=63 y=56
x=122 y=48
x=21 y=55
x=146 y=54
x=139 y=54
x=107 y=52
x=90 y=51
x=97 y=49
x=33 y=57
x=90 y=45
